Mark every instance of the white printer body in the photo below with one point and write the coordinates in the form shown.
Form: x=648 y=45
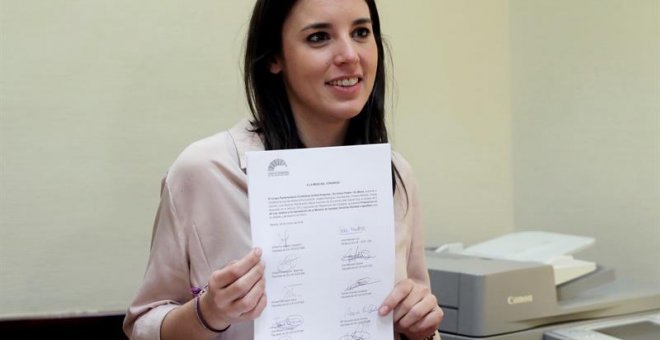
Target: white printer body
x=523 y=285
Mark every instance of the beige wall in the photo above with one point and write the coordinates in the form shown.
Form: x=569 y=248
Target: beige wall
x=585 y=90
x=452 y=116
x=98 y=97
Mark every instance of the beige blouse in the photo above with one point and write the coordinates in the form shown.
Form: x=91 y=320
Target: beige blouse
x=203 y=223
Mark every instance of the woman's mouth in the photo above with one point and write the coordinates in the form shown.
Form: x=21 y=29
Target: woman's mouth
x=345 y=82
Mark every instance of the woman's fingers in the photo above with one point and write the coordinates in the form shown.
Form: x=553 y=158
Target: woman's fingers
x=238 y=290
x=429 y=323
x=417 y=312
x=256 y=311
x=249 y=301
x=424 y=327
x=398 y=294
x=243 y=285
x=234 y=271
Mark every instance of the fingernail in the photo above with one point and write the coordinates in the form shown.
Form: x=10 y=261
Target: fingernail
x=383 y=310
x=257 y=251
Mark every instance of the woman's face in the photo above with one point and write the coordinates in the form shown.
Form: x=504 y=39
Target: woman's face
x=329 y=59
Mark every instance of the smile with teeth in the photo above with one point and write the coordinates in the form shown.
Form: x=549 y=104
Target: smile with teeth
x=346 y=82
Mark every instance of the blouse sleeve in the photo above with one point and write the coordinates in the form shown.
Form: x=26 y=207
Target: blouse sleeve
x=417 y=269
x=408 y=197
x=166 y=283
x=416 y=266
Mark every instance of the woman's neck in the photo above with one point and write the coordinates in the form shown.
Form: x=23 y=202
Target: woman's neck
x=320 y=134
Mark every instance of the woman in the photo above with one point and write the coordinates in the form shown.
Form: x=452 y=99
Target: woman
x=314 y=77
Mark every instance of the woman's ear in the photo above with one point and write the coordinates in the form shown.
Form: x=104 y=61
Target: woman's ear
x=275 y=65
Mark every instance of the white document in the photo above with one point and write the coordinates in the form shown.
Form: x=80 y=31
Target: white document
x=324 y=219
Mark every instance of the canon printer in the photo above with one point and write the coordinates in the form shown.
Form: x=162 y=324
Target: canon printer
x=528 y=286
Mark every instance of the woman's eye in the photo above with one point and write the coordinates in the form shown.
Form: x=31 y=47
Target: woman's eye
x=361 y=32
x=318 y=37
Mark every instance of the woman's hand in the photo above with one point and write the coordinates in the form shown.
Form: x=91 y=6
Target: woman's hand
x=416 y=311
x=236 y=292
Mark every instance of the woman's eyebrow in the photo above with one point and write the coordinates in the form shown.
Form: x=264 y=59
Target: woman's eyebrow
x=326 y=25
x=362 y=21
x=316 y=26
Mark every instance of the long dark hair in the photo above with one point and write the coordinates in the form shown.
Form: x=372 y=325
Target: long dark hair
x=266 y=93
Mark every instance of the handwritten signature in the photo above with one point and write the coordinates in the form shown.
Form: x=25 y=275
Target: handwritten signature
x=357 y=334
x=291 y=322
x=291 y=291
x=351 y=230
x=352 y=255
x=355 y=312
x=284 y=238
x=361 y=282
x=288 y=263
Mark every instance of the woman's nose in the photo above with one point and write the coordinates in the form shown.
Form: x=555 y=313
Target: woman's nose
x=346 y=52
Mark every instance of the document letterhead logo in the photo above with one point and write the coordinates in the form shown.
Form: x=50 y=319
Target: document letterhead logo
x=277 y=167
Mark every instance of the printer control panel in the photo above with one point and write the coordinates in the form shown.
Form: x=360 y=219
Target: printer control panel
x=630 y=328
